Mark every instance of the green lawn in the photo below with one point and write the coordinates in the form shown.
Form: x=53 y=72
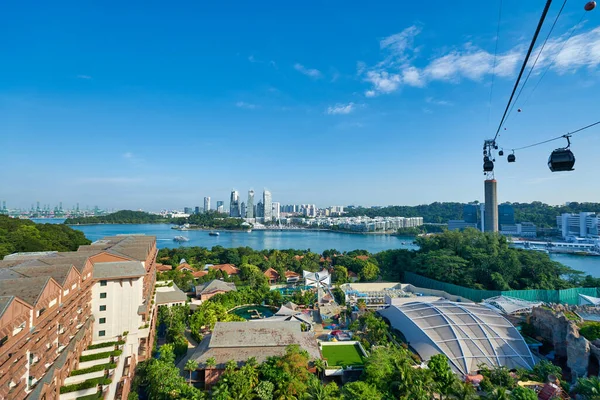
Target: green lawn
x=342 y=355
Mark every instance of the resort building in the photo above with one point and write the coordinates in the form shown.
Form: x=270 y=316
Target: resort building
x=229 y=269
x=54 y=305
x=207 y=290
x=584 y=225
x=272 y=276
x=468 y=334
x=168 y=294
x=239 y=341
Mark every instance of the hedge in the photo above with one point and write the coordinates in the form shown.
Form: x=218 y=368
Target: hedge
x=90 y=383
x=95 y=368
x=95 y=396
x=106 y=344
x=100 y=356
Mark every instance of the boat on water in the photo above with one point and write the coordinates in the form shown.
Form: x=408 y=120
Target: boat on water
x=211 y=233
x=180 y=239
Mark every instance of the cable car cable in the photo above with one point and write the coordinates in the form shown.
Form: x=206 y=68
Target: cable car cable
x=495 y=55
x=558 y=137
x=533 y=40
x=555 y=57
x=537 y=58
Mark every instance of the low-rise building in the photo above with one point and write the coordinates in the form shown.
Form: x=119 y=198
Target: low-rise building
x=207 y=290
x=229 y=269
x=584 y=224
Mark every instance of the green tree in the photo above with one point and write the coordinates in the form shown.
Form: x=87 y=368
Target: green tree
x=360 y=390
x=442 y=374
x=167 y=353
x=369 y=272
x=211 y=363
x=340 y=274
x=521 y=393
x=588 y=388
x=498 y=393
x=463 y=391
x=191 y=366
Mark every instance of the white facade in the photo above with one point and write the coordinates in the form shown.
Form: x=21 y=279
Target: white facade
x=276 y=210
x=584 y=224
x=268 y=206
x=115 y=304
x=250 y=205
x=206 y=204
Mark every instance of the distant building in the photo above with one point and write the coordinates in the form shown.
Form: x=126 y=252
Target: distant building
x=276 y=210
x=220 y=207
x=197 y=210
x=524 y=229
x=206 y=204
x=506 y=215
x=209 y=289
x=234 y=204
x=250 y=205
x=584 y=224
x=459 y=225
x=260 y=210
x=243 y=210
x=470 y=214
x=268 y=206
x=188 y=210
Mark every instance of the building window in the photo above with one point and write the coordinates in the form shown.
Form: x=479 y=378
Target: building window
x=103 y=283
x=103 y=295
x=102 y=308
x=3 y=340
x=102 y=320
x=102 y=333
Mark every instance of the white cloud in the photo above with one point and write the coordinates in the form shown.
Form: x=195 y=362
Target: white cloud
x=341 y=109
x=87 y=77
x=311 y=72
x=399 y=65
x=248 y=106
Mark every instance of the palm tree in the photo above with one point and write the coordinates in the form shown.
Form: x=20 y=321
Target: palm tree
x=463 y=391
x=211 y=363
x=190 y=366
x=498 y=394
x=588 y=388
x=315 y=390
x=319 y=366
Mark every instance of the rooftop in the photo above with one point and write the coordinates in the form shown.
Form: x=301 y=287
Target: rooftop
x=170 y=294
x=27 y=289
x=119 y=269
x=214 y=286
x=4 y=303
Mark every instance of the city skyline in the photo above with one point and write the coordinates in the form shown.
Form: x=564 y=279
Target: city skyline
x=392 y=111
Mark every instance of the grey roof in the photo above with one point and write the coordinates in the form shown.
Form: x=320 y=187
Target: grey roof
x=27 y=289
x=29 y=255
x=291 y=305
x=58 y=272
x=215 y=285
x=239 y=341
x=118 y=269
x=171 y=296
x=468 y=334
x=4 y=302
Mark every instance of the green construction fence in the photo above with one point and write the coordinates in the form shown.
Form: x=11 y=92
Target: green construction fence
x=565 y=296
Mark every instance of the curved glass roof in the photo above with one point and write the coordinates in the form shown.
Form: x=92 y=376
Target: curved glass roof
x=511 y=305
x=468 y=334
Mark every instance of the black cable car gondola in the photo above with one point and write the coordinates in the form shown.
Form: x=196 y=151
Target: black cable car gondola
x=488 y=166
x=511 y=158
x=501 y=153
x=562 y=159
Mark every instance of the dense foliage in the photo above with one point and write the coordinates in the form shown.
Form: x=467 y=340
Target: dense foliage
x=119 y=217
x=476 y=260
x=541 y=214
x=213 y=220
x=19 y=235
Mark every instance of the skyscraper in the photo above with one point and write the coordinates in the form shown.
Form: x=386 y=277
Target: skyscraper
x=234 y=204
x=197 y=210
x=260 y=210
x=243 y=210
x=250 y=204
x=220 y=207
x=506 y=214
x=470 y=213
x=268 y=206
x=491 y=206
x=206 y=204
x=276 y=210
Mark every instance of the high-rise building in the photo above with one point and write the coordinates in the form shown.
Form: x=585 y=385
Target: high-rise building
x=276 y=210
x=491 y=206
x=268 y=206
x=234 y=204
x=260 y=210
x=206 y=204
x=188 y=210
x=220 y=207
x=470 y=213
x=243 y=210
x=197 y=210
x=506 y=214
x=250 y=204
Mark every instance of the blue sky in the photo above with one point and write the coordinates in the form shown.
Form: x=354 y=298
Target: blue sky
x=154 y=105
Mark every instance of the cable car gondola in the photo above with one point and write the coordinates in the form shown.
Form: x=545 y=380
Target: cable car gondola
x=488 y=165
x=501 y=153
x=562 y=159
x=511 y=158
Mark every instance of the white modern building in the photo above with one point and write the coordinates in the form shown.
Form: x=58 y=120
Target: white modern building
x=268 y=206
x=276 y=210
x=206 y=204
x=524 y=229
x=250 y=205
x=584 y=224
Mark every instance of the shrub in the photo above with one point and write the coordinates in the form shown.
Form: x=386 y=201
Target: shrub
x=95 y=368
x=90 y=383
x=590 y=330
x=100 y=356
x=106 y=344
x=95 y=396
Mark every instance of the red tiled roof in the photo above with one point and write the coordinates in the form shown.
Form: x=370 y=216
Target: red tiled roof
x=364 y=258
x=163 y=267
x=230 y=269
x=184 y=267
x=199 y=274
x=271 y=274
x=291 y=274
